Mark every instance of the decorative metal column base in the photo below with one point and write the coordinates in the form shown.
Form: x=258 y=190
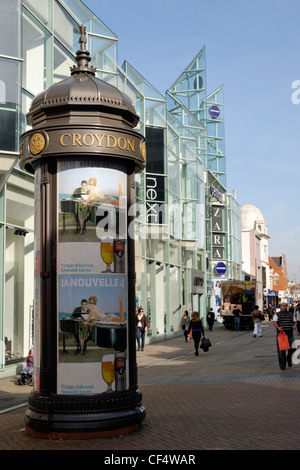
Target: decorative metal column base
x=102 y=416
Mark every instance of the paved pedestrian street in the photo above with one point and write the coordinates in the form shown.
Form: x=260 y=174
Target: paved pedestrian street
x=233 y=397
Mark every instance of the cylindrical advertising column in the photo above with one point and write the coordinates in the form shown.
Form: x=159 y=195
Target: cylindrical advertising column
x=84 y=154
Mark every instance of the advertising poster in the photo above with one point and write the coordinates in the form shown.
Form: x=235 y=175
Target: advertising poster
x=91 y=280
x=217 y=298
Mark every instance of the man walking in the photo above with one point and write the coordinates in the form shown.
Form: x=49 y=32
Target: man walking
x=285 y=321
x=237 y=314
x=210 y=318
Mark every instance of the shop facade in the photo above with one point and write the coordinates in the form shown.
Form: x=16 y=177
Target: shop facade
x=185 y=148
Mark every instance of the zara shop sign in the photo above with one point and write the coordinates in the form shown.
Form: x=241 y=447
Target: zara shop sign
x=217 y=233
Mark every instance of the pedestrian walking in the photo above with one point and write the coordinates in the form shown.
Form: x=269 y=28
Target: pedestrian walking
x=285 y=321
x=270 y=312
x=141 y=323
x=237 y=314
x=185 y=323
x=256 y=318
x=210 y=318
x=197 y=329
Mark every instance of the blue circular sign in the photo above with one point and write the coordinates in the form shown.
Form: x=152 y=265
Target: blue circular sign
x=220 y=268
x=214 y=111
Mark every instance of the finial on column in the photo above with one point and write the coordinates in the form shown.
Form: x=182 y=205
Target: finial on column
x=82 y=56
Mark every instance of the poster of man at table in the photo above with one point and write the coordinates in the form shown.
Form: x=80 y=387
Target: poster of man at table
x=89 y=197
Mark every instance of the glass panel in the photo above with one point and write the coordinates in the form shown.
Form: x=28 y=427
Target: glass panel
x=222 y=179
x=18 y=294
x=213 y=163
x=211 y=129
x=62 y=63
x=189 y=221
x=174 y=216
x=26 y=103
x=189 y=182
x=160 y=252
x=137 y=98
x=174 y=254
x=2 y=199
x=34 y=41
x=222 y=164
x=187 y=257
x=108 y=77
x=20 y=203
x=65 y=28
x=160 y=298
x=175 y=301
x=141 y=281
x=10 y=28
x=87 y=17
x=40 y=9
x=173 y=141
x=155 y=113
x=103 y=53
x=144 y=86
x=9 y=104
x=174 y=168
x=188 y=149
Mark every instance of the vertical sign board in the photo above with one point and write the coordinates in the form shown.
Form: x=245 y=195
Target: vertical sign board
x=91 y=279
x=217 y=236
x=155 y=210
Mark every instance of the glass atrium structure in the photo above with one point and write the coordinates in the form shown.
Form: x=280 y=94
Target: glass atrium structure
x=184 y=132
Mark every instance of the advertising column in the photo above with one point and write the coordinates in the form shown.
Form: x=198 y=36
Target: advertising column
x=84 y=154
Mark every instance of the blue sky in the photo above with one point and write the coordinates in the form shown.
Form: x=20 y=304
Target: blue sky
x=253 y=50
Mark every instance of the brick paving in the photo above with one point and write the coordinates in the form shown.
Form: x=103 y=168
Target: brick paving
x=233 y=397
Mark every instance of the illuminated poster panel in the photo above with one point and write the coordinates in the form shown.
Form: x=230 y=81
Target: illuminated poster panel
x=91 y=279
x=217 y=298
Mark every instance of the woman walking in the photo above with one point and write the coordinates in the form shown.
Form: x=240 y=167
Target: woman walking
x=141 y=328
x=185 y=323
x=197 y=329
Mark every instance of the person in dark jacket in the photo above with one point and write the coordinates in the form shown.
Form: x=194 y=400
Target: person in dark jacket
x=285 y=321
x=197 y=329
x=210 y=318
x=141 y=327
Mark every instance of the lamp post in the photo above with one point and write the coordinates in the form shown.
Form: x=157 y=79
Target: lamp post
x=84 y=154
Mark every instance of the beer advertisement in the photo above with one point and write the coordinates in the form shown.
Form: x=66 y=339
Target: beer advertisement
x=91 y=279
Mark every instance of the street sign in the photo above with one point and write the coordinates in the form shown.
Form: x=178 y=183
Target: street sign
x=220 y=268
x=214 y=111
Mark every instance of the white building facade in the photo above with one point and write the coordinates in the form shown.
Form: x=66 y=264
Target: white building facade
x=255 y=249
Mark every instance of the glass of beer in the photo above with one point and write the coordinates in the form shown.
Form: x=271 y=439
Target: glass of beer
x=107 y=253
x=108 y=370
